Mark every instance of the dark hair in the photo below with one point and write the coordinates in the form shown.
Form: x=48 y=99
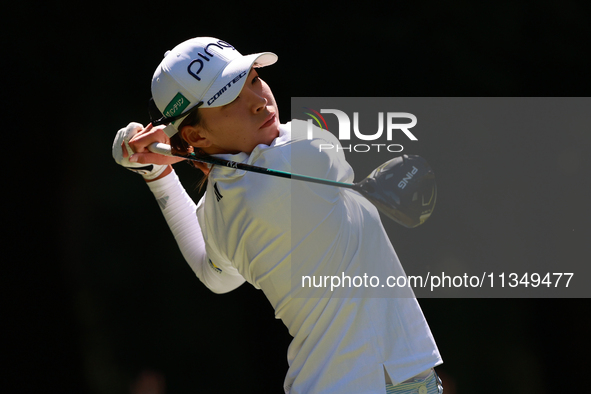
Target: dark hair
x=180 y=146
x=177 y=143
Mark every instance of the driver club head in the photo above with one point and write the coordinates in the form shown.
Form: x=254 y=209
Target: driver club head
x=403 y=189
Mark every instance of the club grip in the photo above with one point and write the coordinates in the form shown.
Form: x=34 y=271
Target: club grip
x=160 y=148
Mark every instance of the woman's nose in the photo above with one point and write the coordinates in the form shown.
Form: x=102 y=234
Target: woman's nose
x=259 y=104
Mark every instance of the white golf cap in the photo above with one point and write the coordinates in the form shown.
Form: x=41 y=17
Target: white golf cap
x=201 y=71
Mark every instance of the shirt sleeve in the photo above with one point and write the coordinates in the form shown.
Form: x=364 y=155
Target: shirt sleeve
x=179 y=211
x=320 y=156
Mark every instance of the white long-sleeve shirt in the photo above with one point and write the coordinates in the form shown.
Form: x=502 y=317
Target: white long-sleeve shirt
x=274 y=233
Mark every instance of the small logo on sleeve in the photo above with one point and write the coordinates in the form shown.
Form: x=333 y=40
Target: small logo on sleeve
x=215 y=267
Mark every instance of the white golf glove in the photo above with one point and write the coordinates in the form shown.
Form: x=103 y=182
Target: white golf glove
x=148 y=171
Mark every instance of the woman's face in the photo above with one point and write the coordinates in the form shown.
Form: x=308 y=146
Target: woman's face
x=251 y=119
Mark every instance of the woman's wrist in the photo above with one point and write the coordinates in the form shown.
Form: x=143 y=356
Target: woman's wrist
x=167 y=171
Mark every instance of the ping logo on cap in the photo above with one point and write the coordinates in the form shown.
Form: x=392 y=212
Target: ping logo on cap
x=176 y=105
x=195 y=70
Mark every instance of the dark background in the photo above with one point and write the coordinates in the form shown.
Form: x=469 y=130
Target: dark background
x=97 y=292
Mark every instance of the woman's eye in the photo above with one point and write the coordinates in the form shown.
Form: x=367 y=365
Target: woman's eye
x=255 y=79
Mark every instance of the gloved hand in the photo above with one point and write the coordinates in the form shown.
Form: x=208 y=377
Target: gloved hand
x=148 y=171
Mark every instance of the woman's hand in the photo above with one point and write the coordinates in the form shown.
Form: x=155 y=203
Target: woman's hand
x=130 y=150
x=140 y=142
x=139 y=145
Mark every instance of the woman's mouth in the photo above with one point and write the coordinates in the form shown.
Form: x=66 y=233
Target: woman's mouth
x=268 y=122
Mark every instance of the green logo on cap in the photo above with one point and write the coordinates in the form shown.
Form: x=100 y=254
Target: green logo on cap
x=176 y=105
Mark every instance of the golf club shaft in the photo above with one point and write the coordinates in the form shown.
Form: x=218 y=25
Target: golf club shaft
x=165 y=149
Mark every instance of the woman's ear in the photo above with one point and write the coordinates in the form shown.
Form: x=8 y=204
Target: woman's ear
x=193 y=135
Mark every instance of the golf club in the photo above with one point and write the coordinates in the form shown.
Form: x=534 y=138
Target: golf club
x=402 y=188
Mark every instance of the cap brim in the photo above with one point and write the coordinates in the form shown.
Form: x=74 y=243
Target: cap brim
x=231 y=80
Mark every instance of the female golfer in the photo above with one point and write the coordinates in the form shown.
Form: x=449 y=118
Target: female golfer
x=319 y=253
